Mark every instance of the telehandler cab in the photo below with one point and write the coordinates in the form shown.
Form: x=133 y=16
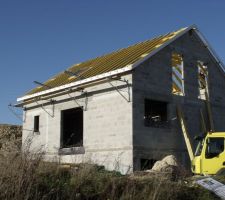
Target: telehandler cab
x=209 y=157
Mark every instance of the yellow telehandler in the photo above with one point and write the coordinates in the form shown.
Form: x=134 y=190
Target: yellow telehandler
x=209 y=157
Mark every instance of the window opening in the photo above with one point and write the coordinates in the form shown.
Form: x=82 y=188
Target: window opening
x=199 y=147
x=202 y=80
x=177 y=74
x=214 y=147
x=155 y=113
x=72 y=128
x=36 y=123
x=147 y=163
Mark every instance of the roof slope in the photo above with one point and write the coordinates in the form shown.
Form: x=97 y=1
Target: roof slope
x=107 y=63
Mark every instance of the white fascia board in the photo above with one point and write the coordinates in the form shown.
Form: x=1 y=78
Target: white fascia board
x=77 y=83
x=202 y=38
x=162 y=46
x=209 y=47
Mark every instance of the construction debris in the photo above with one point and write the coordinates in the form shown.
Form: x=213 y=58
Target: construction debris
x=213 y=185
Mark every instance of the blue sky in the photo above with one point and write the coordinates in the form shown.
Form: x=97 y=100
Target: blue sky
x=40 y=38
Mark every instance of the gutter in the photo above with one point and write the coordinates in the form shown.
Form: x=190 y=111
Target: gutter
x=77 y=83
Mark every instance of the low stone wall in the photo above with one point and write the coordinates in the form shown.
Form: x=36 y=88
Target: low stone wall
x=10 y=136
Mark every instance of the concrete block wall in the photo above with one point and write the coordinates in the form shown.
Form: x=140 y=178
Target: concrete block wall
x=35 y=141
x=153 y=80
x=114 y=132
x=107 y=124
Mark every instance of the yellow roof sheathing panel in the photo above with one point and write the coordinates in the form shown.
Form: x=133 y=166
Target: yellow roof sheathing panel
x=109 y=62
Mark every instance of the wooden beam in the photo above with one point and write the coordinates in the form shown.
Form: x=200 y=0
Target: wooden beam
x=185 y=132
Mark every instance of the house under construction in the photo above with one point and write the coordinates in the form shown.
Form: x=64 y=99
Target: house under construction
x=120 y=109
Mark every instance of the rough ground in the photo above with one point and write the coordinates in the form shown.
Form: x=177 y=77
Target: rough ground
x=26 y=176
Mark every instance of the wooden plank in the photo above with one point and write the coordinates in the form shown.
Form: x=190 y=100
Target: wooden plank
x=185 y=132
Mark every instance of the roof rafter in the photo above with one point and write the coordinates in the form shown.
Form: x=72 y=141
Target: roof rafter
x=102 y=68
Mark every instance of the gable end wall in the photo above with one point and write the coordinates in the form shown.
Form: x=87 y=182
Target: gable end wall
x=153 y=80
